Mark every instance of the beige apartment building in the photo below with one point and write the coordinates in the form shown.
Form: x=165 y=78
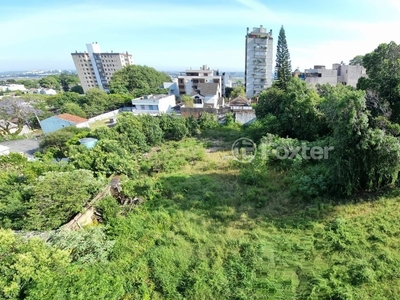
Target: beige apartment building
x=189 y=80
x=95 y=68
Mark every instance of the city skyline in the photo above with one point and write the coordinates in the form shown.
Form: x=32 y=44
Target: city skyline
x=179 y=35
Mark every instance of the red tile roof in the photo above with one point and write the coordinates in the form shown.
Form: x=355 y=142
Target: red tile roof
x=71 y=118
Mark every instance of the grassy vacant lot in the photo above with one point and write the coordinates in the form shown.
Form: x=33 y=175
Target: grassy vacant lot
x=215 y=229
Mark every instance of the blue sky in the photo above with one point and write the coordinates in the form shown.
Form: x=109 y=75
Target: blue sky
x=175 y=34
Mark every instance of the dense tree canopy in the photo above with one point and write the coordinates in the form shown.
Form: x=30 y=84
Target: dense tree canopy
x=139 y=80
x=296 y=110
x=63 y=82
x=383 y=70
x=57 y=196
x=357 y=60
x=50 y=82
x=238 y=91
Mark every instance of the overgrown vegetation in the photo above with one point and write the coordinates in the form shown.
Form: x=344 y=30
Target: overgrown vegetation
x=209 y=226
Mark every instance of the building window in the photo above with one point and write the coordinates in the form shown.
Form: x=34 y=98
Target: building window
x=197 y=100
x=142 y=107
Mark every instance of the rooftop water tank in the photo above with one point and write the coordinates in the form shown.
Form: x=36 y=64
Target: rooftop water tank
x=88 y=142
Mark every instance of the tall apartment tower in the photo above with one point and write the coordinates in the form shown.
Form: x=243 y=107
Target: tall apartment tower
x=258 y=67
x=95 y=68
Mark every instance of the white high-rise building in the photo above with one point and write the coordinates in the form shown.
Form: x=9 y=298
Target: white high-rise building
x=95 y=68
x=258 y=66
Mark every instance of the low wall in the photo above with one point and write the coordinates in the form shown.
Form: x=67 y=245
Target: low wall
x=109 y=114
x=86 y=217
x=245 y=117
x=106 y=115
x=197 y=111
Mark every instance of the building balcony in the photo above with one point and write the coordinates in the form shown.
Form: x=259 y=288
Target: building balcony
x=146 y=112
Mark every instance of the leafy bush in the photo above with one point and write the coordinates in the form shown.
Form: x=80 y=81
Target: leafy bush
x=57 y=196
x=87 y=246
x=208 y=121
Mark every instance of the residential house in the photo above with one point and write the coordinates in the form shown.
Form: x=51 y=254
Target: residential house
x=207 y=95
x=172 y=88
x=240 y=103
x=153 y=104
x=58 y=122
x=45 y=91
x=12 y=88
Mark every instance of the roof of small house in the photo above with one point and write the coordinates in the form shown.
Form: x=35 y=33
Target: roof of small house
x=71 y=118
x=239 y=100
x=208 y=88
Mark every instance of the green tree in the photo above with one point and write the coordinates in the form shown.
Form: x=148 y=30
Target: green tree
x=228 y=91
x=50 y=82
x=56 y=141
x=57 y=196
x=108 y=157
x=73 y=109
x=95 y=102
x=29 y=267
x=383 y=70
x=187 y=100
x=12 y=205
x=296 y=110
x=77 y=89
x=208 y=121
x=138 y=79
x=67 y=80
x=283 y=65
x=57 y=101
x=29 y=83
x=173 y=127
x=364 y=158
x=238 y=91
x=357 y=60
x=130 y=134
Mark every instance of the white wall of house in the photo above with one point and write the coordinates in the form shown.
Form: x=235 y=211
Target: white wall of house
x=154 y=104
x=198 y=101
x=83 y=125
x=206 y=101
x=211 y=101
